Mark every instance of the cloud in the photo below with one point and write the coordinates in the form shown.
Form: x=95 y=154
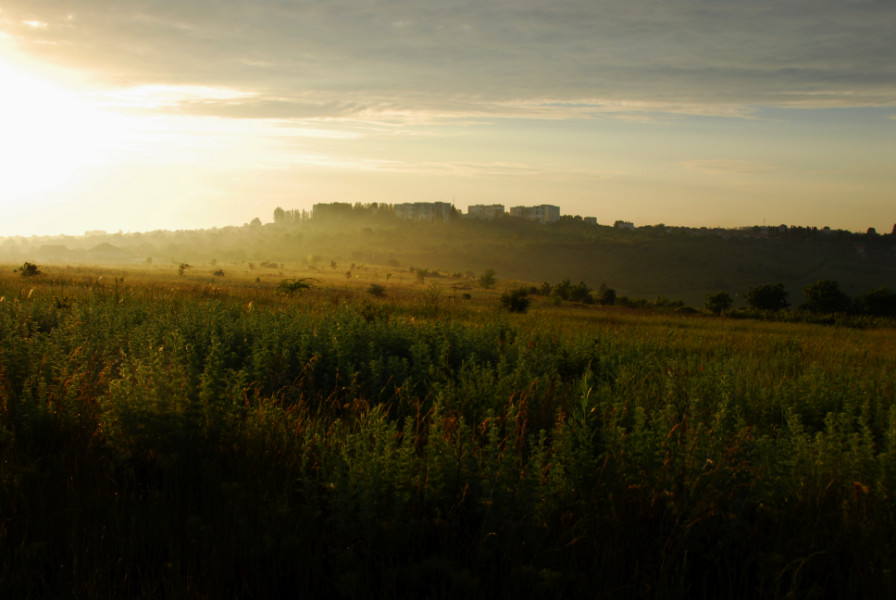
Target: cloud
x=155 y=97
x=567 y=59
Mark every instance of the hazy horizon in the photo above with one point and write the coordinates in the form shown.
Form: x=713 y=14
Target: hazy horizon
x=100 y=233
x=146 y=116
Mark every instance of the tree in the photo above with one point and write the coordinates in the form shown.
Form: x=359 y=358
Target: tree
x=516 y=300
x=718 y=303
x=487 y=279
x=770 y=296
x=581 y=293
x=824 y=296
x=878 y=303
x=606 y=295
x=562 y=289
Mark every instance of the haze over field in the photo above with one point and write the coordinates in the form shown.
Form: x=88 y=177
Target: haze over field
x=153 y=115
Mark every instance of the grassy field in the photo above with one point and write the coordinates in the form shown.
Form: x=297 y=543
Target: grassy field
x=206 y=436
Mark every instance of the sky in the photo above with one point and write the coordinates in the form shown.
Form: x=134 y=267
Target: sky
x=138 y=115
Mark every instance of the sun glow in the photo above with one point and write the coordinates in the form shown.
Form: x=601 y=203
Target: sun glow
x=48 y=135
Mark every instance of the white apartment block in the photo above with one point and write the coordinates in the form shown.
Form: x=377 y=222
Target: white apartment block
x=485 y=212
x=424 y=211
x=544 y=213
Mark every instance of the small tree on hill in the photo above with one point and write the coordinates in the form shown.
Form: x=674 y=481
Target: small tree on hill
x=878 y=303
x=770 y=296
x=516 y=300
x=824 y=296
x=718 y=303
x=562 y=289
x=606 y=295
x=581 y=293
x=487 y=279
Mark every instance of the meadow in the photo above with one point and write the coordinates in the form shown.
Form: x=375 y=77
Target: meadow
x=206 y=436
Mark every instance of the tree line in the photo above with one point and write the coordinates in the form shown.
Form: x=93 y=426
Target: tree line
x=822 y=297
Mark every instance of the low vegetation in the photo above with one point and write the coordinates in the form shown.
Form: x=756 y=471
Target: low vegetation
x=29 y=270
x=196 y=436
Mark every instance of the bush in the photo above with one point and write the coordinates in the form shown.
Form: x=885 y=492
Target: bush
x=29 y=270
x=877 y=303
x=770 y=296
x=606 y=295
x=516 y=300
x=580 y=292
x=487 y=279
x=377 y=290
x=824 y=296
x=290 y=286
x=718 y=303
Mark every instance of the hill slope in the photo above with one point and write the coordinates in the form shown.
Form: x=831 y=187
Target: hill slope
x=678 y=263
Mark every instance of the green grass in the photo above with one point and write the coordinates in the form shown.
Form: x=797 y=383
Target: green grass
x=193 y=437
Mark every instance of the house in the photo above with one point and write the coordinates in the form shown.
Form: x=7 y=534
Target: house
x=624 y=225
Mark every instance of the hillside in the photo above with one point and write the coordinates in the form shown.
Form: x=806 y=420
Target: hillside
x=677 y=263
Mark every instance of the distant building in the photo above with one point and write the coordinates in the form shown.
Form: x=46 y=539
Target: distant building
x=624 y=225
x=485 y=212
x=591 y=220
x=544 y=213
x=424 y=211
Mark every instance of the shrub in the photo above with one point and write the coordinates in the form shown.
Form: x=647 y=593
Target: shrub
x=29 y=270
x=824 y=296
x=878 y=303
x=290 y=286
x=770 y=296
x=718 y=303
x=376 y=289
x=516 y=300
x=487 y=279
x=606 y=295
